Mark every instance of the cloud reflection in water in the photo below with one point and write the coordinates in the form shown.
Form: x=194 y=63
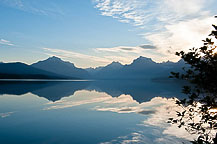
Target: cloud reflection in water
x=125 y=97
x=6 y=114
x=156 y=112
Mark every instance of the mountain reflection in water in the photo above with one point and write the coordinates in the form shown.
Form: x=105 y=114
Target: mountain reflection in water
x=89 y=112
x=140 y=91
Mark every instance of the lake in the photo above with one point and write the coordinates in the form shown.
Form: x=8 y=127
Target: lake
x=89 y=112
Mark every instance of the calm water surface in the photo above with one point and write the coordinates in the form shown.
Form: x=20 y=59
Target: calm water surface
x=86 y=112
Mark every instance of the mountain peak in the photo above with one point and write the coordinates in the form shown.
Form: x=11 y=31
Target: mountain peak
x=56 y=65
x=54 y=58
x=115 y=63
x=143 y=59
x=53 y=61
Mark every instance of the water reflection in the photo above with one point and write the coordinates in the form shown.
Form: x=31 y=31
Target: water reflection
x=4 y=115
x=89 y=112
x=157 y=112
x=52 y=91
x=140 y=91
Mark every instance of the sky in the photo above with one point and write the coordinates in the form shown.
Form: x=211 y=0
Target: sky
x=91 y=33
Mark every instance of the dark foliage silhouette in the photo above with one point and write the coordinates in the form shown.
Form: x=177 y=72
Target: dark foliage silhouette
x=199 y=115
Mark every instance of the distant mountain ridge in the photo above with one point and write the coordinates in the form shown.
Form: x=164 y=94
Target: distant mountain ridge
x=54 y=67
x=140 y=68
x=58 y=66
x=23 y=71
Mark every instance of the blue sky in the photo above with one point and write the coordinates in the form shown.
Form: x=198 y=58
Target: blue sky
x=92 y=33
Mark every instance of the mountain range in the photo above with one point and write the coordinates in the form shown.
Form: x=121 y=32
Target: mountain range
x=55 y=68
x=140 y=68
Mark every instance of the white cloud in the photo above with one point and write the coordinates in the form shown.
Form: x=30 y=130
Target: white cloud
x=141 y=12
x=170 y=25
x=127 y=59
x=65 y=53
x=6 y=42
x=90 y=60
x=126 y=54
x=123 y=54
x=34 y=7
x=181 y=36
x=186 y=7
x=127 y=49
x=123 y=10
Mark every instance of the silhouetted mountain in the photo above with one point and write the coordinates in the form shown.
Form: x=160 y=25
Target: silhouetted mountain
x=56 y=65
x=114 y=66
x=23 y=71
x=140 y=68
x=93 y=70
x=110 y=71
